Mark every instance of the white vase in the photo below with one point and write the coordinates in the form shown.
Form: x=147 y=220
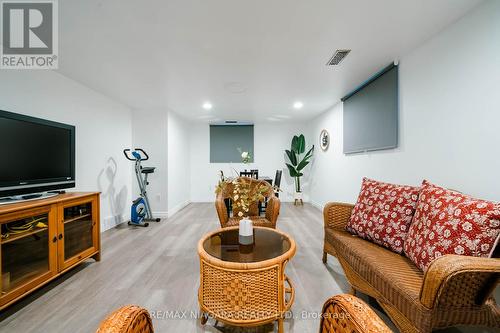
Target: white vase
x=246 y=231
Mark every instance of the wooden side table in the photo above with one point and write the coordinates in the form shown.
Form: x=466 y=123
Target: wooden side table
x=245 y=285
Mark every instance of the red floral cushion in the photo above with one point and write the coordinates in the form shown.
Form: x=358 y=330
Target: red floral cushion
x=383 y=213
x=447 y=222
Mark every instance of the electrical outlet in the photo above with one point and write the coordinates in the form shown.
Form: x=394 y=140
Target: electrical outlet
x=158 y=197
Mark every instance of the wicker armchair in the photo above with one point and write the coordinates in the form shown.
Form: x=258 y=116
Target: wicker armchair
x=455 y=290
x=272 y=209
x=349 y=314
x=127 y=319
x=341 y=314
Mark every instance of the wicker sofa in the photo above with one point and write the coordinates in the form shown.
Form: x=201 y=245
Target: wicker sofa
x=455 y=290
x=272 y=208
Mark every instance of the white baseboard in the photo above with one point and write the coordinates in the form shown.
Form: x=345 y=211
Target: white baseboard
x=160 y=214
x=171 y=212
x=112 y=221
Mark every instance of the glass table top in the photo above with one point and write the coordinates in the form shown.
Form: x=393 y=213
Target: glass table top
x=268 y=244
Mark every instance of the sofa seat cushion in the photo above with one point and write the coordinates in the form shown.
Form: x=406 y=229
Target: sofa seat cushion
x=448 y=222
x=391 y=275
x=257 y=221
x=383 y=213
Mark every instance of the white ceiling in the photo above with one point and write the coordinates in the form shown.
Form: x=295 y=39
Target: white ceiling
x=178 y=54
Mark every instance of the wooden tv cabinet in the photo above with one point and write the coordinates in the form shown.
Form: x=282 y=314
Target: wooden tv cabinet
x=65 y=231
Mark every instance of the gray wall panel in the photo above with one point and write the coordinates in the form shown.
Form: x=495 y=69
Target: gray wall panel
x=225 y=141
x=371 y=115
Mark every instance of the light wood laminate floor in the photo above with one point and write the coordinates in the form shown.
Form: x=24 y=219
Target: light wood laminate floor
x=158 y=268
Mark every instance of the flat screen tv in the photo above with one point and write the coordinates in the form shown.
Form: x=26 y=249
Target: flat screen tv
x=371 y=114
x=37 y=155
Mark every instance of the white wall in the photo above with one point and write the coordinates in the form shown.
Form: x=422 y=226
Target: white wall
x=270 y=142
x=165 y=137
x=449 y=116
x=178 y=163
x=149 y=132
x=103 y=128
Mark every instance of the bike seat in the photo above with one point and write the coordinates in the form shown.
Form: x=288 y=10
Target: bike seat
x=148 y=169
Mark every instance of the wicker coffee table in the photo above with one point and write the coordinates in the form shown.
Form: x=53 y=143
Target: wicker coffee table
x=245 y=285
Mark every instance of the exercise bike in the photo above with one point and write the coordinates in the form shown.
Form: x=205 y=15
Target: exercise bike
x=140 y=211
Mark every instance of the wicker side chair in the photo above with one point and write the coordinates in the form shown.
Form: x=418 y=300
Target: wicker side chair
x=272 y=210
x=454 y=291
x=127 y=319
x=348 y=314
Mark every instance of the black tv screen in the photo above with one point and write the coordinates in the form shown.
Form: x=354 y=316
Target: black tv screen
x=38 y=155
x=371 y=114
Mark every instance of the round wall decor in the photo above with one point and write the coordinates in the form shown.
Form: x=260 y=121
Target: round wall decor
x=324 y=140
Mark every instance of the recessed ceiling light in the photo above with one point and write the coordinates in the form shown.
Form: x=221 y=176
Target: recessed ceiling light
x=298 y=105
x=207 y=106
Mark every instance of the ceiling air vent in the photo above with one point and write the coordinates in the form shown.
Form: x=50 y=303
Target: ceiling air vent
x=338 y=57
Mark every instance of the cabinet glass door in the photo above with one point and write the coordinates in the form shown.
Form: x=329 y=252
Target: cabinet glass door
x=78 y=230
x=25 y=251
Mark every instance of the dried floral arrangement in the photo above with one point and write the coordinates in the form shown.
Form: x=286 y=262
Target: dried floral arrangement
x=243 y=193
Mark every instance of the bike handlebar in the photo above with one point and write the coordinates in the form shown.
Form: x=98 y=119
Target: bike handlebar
x=127 y=153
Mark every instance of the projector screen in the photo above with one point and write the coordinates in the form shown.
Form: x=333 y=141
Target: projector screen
x=227 y=140
x=371 y=114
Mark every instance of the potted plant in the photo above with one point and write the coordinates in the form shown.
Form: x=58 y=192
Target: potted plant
x=298 y=159
x=243 y=195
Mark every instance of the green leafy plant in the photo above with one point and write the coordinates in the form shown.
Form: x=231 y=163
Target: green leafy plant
x=298 y=160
